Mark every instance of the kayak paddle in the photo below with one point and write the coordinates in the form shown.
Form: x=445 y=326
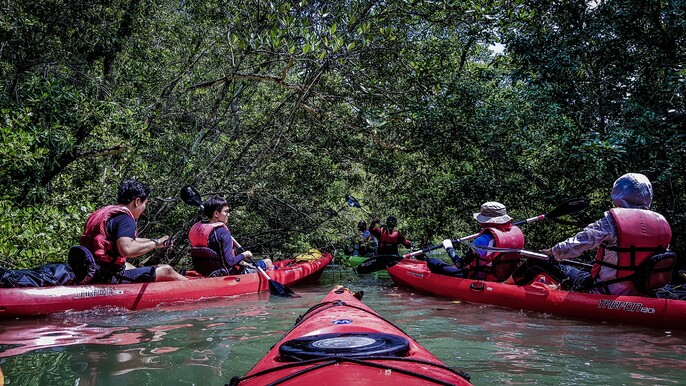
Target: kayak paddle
x=191 y=196
x=569 y=206
x=352 y=201
x=378 y=263
x=536 y=255
x=275 y=288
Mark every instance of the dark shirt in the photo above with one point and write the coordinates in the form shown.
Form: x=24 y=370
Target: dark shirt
x=221 y=242
x=118 y=226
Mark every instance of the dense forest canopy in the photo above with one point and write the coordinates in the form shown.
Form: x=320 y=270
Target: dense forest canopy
x=285 y=107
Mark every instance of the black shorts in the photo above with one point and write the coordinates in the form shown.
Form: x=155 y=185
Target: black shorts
x=127 y=276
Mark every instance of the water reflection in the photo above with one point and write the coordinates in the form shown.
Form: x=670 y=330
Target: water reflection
x=208 y=342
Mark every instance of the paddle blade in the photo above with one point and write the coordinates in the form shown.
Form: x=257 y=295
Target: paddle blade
x=378 y=263
x=191 y=196
x=569 y=206
x=352 y=201
x=278 y=289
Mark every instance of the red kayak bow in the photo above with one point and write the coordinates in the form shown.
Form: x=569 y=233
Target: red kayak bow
x=341 y=341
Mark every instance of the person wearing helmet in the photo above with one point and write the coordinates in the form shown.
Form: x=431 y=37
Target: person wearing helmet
x=364 y=243
x=497 y=231
x=388 y=237
x=625 y=236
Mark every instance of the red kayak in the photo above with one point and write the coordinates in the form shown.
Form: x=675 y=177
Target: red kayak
x=47 y=300
x=341 y=341
x=543 y=297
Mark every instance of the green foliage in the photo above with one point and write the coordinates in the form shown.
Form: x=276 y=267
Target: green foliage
x=39 y=234
x=285 y=107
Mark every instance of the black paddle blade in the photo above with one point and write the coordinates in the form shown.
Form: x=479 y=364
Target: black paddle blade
x=352 y=201
x=191 y=196
x=378 y=263
x=358 y=295
x=569 y=206
x=278 y=289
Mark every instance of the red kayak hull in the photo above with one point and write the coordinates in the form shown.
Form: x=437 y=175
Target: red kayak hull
x=341 y=314
x=47 y=300
x=539 y=297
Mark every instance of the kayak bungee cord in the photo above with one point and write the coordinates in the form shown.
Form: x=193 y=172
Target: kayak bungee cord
x=328 y=361
x=368 y=361
x=336 y=303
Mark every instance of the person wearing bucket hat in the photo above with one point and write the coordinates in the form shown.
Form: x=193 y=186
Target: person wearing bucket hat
x=626 y=236
x=497 y=231
x=388 y=237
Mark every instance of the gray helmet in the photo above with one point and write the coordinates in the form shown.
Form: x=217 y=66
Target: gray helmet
x=632 y=190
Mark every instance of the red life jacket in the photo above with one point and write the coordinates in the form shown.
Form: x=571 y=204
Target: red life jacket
x=200 y=232
x=388 y=241
x=206 y=260
x=640 y=234
x=95 y=236
x=498 y=266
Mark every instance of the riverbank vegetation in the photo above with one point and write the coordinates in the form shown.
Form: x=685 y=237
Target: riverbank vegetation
x=284 y=107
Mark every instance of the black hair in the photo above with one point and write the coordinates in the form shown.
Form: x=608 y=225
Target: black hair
x=212 y=204
x=132 y=189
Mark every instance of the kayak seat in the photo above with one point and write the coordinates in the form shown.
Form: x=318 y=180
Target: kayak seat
x=504 y=265
x=83 y=264
x=530 y=269
x=206 y=260
x=654 y=272
x=352 y=345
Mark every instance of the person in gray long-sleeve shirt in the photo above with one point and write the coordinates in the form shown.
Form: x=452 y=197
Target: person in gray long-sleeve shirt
x=626 y=236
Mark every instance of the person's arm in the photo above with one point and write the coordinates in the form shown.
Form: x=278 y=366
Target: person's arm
x=484 y=240
x=226 y=243
x=366 y=235
x=448 y=246
x=376 y=232
x=600 y=232
x=129 y=246
x=407 y=243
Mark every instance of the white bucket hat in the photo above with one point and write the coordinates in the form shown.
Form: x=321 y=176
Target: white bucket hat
x=492 y=213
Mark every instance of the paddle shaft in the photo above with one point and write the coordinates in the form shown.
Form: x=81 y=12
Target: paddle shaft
x=192 y=197
x=536 y=255
x=542 y=256
x=566 y=207
x=235 y=243
x=433 y=247
x=470 y=237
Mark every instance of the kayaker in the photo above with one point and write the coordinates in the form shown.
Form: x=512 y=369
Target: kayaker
x=212 y=246
x=498 y=231
x=388 y=237
x=625 y=236
x=364 y=243
x=110 y=235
